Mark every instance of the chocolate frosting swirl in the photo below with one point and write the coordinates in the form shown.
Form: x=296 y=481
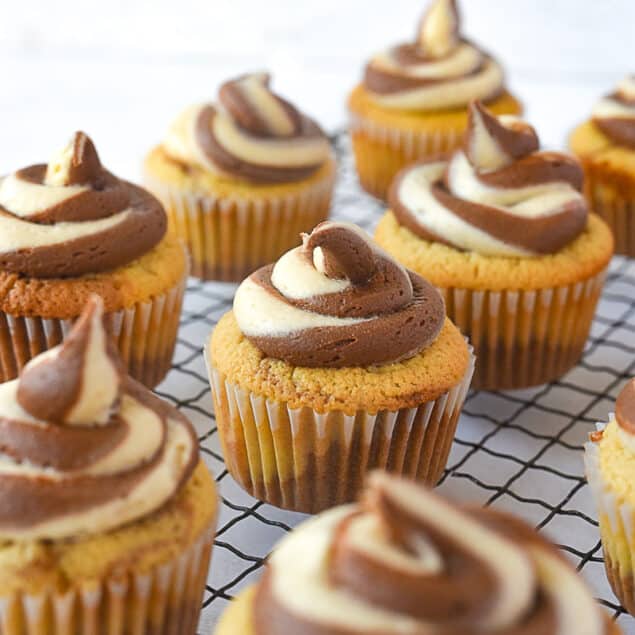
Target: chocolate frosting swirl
x=251 y=134
x=406 y=562
x=498 y=195
x=83 y=448
x=72 y=217
x=336 y=301
x=615 y=114
x=439 y=70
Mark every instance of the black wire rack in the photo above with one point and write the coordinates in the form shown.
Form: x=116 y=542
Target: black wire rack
x=520 y=451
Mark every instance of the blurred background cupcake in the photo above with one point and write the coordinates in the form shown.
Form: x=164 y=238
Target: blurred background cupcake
x=334 y=361
x=606 y=147
x=107 y=514
x=241 y=178
x=70 y=229
x=404 y=561
x=412 y=102
x=503 y=230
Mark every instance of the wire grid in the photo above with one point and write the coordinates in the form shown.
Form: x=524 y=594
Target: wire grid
x=520 y=451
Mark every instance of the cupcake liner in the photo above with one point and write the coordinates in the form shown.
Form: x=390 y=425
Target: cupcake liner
x=524 y=338
x=230 y=236
x=380 y=151
x=163 y=601
x=617 y=528
x=144 y=333
x=299 y=459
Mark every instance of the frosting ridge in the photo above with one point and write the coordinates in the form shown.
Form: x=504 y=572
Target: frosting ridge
x=615 y=113
x=338 y=300
x=439 y=70
x=499 y=195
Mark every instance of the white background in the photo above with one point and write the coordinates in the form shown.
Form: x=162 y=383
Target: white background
x=122 y=69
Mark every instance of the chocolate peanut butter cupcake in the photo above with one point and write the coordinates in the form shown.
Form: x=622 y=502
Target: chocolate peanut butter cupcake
x=504 y=232
x=334 y=361
x=412 y=102
x=610 y=468
x=605 y=145
x=242 y=177
x=70 y=229
x=404 y=561
x=107 y=513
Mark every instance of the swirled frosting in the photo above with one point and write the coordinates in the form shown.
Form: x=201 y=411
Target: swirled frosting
x=251 y=134
x=499 y=195
x=73 y=217
x=439 y=70
x=614 y=115
x=338 y=300
x=405 y=562
x=84 y=448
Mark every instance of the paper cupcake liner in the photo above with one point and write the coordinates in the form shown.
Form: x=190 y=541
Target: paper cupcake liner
x=524 y=338
x=617 y=528
x=615 y=204
x=144 y=333
x=163 y=601
x=380 y=151
x=307 y=461
x=229 y=237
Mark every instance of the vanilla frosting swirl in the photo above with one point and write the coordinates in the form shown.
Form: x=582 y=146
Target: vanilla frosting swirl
x=405 y=562
x=614 y=115
x=439 y=70
x=338 y=300
x=72 y=217
x=83 y=448
x=499 y=195
x=251 y=134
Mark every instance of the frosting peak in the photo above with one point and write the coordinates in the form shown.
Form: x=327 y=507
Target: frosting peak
x=440 y=70
x=406 y=562
x=73 y=217
x=439 y=31
x=615 y=113
x=78 y=382
x=499 y=195
x=251 y=134
x=338 y=300
x=84 y=449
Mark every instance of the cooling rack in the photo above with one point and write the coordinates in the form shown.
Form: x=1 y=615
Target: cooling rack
x=520 y=451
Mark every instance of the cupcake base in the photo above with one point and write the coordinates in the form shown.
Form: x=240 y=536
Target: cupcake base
x=231 y=232
x=307 y=461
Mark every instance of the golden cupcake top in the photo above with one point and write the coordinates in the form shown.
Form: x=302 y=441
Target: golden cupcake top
x=86 y=449
x=249 y=133
x=497 y=195
x=614 y=114
x=72 y=217
x=404 y=561
x=338 y=300
x=440 y=69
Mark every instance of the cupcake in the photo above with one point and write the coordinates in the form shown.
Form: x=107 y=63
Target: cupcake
x=503 y=231
x=606 y=147
x=70 y=229
x=242 y=177
x=609 y=459
x=107 y=514
x=334 y=361
x=404 y=561
x=412 y=102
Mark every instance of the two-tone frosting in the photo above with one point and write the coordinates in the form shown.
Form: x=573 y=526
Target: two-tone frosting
x=251 y=133
x=614 y=115
x=84 y=448
x=73 y=217
x=405 y=562
x=498 y=195
x=338 y=300
x=440 y=70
